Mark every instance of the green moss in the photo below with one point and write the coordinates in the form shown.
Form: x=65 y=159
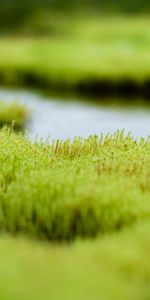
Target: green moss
x=14 y=113
x=63 y=190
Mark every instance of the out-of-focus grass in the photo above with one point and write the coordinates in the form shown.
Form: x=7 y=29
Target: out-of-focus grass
x=13 y=113
x=115 y=267
x=90 y=49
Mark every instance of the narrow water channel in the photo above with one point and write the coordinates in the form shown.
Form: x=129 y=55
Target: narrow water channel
x=67 y=119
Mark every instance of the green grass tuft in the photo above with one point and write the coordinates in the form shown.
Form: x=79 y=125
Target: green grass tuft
x=13 y=114
x=63 y=190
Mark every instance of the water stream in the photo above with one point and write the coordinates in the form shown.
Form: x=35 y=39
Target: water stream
x=66 y=119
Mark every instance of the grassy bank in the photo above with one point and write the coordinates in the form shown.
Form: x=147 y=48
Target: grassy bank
x=113 y=267
x=101 y=55
x=63 y=190
x=13 y=114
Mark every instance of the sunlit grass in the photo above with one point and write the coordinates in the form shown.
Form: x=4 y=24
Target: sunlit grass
x=63 y=190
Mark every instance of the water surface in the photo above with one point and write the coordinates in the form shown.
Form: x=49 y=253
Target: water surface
x=67 y=119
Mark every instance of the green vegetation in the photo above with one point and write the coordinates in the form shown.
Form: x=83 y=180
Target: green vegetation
x=114 y=267
x=87 y=55
x=74 y=216
x=63 y=190
x=13 y=113
x=16 y=13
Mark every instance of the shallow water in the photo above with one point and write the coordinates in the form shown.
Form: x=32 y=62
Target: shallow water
x=66 y=119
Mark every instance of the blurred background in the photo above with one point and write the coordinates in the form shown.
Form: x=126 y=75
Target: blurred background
x=43 y=15
x=84 y=64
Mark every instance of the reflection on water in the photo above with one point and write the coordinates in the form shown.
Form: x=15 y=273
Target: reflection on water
x=66 y=119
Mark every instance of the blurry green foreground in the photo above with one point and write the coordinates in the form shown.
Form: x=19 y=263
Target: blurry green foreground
x=115 y=267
